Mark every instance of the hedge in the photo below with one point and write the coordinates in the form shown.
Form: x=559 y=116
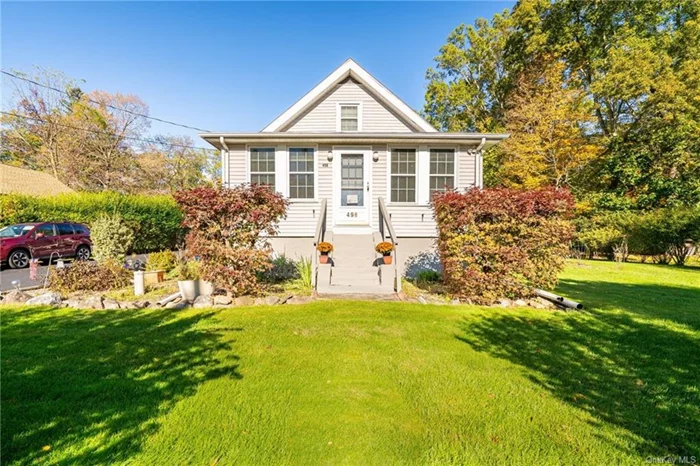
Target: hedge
x=156 y=220
x=502 y=243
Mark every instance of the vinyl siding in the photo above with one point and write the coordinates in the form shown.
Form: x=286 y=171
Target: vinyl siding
x=466 y=169
x=322 y=117
x=237 y=165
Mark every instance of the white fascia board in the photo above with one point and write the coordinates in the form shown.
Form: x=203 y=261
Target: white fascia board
x=349 y=68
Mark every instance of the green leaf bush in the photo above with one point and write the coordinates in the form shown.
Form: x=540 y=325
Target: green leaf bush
x=498 y=243
x=162 y=260
x=154 y=219
x=111 y=238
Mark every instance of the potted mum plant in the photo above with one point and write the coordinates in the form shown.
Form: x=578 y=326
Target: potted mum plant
x=324 y=248
x=385 y=248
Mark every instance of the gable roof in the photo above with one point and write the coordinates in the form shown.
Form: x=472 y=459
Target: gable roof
x=350 y=69
x=30 y=182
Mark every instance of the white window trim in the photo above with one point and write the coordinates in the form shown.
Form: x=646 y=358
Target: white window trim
x=338 y=114
x=248 y=150
x=288 y=173
x=456 y=173
x=389 y=150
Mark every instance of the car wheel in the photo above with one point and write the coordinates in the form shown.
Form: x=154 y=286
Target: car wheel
x=18 y=259
x=83 y=253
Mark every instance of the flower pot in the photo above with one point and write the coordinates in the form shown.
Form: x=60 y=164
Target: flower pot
x=387 y=259
x=323 y=259
x=189 y=289
x=153 y=277
x=205 y=288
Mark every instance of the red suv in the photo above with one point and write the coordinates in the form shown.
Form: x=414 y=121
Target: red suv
x=25 y=241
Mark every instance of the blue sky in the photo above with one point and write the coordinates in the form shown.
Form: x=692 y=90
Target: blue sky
x=229 y=66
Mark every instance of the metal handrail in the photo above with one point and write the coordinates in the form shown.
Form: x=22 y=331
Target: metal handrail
x=385 y=219
x=318 y=237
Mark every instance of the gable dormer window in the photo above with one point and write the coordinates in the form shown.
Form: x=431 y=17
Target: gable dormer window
x=349 y=117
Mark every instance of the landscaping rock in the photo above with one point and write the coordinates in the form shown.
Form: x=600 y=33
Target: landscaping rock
x=222 y=300
x=202 y=300
x=422 y=300
x=16 y=297
x=244 y=301
x=505 y=302
x=46 y=299
x=547 y=304
x=455 y=302
x=141 y=304
x=127 y=305
x=272 y=300
x=285 y=298
x=298 y=300
x=520 y=302
x=110 y=304
x=177 y=305
x=92 y=302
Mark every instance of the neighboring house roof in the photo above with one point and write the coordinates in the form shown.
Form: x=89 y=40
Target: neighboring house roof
x=31 y=182
x=350 y=69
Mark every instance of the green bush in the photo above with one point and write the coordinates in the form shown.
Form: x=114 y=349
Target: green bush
x=427 y=276
x=665 y=233
x=282 y=269
x=188 y=270
x=111 y=238
x=89 y=276
x=155 y=220
x=162 y=260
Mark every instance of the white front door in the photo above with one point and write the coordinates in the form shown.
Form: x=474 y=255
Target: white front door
x=352 y=188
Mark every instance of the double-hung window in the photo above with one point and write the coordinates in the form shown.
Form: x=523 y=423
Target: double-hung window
x=403 y=175
x=349 y=117
x=442 y=170
x=301 y=173
x=262 y=167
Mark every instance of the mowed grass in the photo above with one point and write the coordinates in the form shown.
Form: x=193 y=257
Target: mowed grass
x=338 y=382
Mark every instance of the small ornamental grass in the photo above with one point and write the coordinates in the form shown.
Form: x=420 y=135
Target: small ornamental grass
x=324 y=247
x=384 y=247
x=498 y=243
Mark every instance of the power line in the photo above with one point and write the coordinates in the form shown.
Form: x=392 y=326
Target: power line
x=102 y=103
x=152 y=141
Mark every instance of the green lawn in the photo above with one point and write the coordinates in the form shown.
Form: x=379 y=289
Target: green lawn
x=363 y=382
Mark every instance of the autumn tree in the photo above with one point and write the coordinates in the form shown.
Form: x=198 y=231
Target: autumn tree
x=546 y=117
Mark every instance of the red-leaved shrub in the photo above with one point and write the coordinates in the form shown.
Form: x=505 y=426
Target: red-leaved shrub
x=497 y=243
x=224 y=231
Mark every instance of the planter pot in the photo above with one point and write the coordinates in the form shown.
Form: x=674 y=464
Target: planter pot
x=189 y=289
x=205 y=288
x=323 y=259
x=387 y=259
x=153 y=277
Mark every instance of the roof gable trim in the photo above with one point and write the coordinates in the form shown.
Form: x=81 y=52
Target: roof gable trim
x=349 y=69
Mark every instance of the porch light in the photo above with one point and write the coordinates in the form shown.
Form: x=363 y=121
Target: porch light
x=375 y=156
x=330 y=156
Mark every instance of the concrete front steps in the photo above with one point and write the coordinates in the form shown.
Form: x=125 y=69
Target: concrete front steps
x=353 y=271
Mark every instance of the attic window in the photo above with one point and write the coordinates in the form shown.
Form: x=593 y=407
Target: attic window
x=349 y=118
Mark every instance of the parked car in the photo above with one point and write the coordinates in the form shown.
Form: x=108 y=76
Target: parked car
x=25 y=241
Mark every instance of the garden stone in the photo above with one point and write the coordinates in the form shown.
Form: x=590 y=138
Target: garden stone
x=222 y=300
x=201 y=301
x=46 y=299
x=455 y=302
x=110 y=304
x=177 y=305
x=244 y=301
x=16 y=297
x=141 y=304
x=520 y=302
x=547 y=304
x=299 y=300
x=422 y=300
x=272 y=300
x=127 y=305
x=285 y=298
x=505 y=302
x=92 y=302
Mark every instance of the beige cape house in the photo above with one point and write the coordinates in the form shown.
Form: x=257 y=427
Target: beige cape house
x=359 y=166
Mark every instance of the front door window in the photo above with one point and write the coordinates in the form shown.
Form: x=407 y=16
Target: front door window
x=352 y=180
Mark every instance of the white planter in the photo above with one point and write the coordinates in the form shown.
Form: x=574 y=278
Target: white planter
x=189 y=289
x=206 y=288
